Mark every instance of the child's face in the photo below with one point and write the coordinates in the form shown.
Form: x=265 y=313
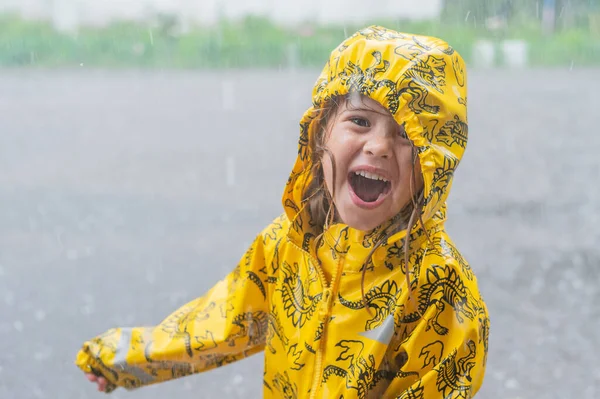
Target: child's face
x=373 y=164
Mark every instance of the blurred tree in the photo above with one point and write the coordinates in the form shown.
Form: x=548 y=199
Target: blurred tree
x=494 y=13
x=478 y=11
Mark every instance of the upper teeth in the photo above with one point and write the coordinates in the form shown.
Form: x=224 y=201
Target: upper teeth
x=370 y=175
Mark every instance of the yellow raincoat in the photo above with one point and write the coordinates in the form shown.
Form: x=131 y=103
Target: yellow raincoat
x=318 y=336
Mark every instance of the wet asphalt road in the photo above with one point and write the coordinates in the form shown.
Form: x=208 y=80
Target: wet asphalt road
x=125 y=194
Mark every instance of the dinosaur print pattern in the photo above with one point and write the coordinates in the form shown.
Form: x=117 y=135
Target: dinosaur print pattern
x=299 y=306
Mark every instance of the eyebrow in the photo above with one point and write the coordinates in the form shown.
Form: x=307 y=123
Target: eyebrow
x=365 y=110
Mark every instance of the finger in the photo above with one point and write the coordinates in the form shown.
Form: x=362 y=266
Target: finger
x=91 y=377
x=102 y=383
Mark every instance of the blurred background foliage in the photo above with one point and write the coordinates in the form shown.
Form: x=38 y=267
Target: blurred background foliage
x=570 y=35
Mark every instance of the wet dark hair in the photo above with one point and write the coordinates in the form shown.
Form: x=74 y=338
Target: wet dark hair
x=320 y=201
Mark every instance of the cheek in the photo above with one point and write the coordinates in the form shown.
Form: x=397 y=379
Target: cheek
x=405 y=166
x=405 y=162
x=337 y=145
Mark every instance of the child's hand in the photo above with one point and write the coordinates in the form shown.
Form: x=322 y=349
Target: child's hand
x=101 y=381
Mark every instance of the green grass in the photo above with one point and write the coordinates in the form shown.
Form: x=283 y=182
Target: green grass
x=250 y=43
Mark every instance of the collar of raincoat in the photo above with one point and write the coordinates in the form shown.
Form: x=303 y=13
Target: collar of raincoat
x=422 y=81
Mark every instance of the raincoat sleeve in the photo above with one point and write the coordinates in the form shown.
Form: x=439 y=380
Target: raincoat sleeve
x=227 y=324
x=447 y=350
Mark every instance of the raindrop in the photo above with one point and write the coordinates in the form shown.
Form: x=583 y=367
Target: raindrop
x=150 y=277
x=9 y=298
x=138 y=49
x=58 y=233
x=88 y=298
x=293 y=56
x=32 y=224
x=557 y=372
x=553 y=323
x=72 y=254
x=238 y=379
x=590 y=392
x=86 y=310
x=537 y=285
x=38 y=393
x=517 y=357
x=511 y=383
x=41 y=356
x=551 y=339
x=577 y=283
x=499 y=375
x=89 y=251
x=177 y=297
x=228 y=95
x=18 y=325
x=40 y=315
x=151 y=37
x=230 y=169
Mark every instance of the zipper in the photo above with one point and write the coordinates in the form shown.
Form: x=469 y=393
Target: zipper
x=328 y=295
x=329 y=290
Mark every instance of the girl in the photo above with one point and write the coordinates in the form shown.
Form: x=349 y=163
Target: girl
x=356 y=291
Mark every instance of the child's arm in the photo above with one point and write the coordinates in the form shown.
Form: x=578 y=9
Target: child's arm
x=227 y=324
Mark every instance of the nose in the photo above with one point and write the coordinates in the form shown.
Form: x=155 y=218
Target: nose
x=378 y=145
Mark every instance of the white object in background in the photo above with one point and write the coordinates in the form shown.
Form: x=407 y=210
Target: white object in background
x=515 y=53
x=65 y=15
x=484 y=53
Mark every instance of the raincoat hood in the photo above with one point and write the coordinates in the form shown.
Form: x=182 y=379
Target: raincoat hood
x=421 y=81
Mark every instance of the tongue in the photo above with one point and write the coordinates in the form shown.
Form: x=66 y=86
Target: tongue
x=367 y=189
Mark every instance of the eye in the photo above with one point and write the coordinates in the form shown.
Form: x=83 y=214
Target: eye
x=362 y=122
x=402 y=132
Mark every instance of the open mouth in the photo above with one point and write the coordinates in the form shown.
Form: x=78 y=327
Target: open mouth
x=369 y=187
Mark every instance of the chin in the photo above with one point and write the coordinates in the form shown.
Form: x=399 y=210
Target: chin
x=362 y=223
